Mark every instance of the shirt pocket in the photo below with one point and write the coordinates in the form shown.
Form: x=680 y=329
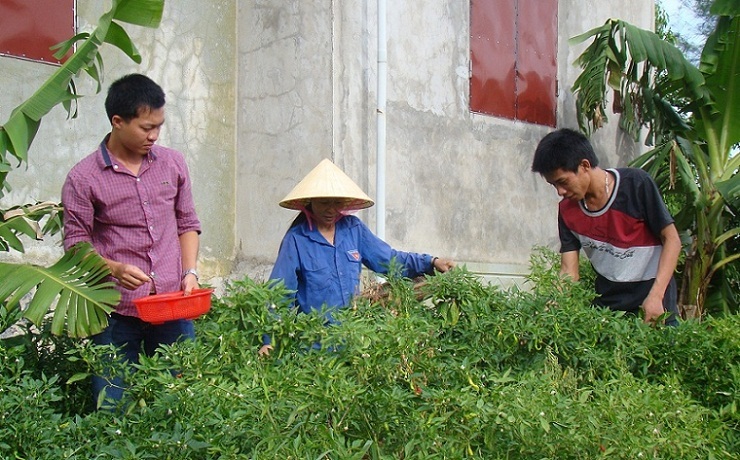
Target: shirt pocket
x=353 y=264
x=319 y=277
x=164 y=191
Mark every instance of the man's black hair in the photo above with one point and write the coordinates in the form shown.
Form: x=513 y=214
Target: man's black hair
x=563 y=149
x=132 y=93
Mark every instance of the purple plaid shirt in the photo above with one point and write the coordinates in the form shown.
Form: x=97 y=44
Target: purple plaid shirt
x=132 y=219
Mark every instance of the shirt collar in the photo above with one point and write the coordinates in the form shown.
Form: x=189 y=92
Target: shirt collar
x=107 y=162
x=314 y=234
x=104 y=152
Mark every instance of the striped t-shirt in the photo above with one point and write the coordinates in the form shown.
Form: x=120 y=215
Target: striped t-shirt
x=622 y=240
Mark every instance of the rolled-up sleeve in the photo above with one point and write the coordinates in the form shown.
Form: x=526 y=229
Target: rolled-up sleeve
x=78 y=213
x=187 y=219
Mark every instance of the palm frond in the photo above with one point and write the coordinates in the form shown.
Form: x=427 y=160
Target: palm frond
x=75 y=282
x=630 y=60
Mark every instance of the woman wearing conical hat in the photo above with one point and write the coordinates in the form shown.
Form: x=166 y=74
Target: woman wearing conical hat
x=322 y=254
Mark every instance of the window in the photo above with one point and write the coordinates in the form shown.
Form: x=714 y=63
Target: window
x=29 y=27
x=513 y=48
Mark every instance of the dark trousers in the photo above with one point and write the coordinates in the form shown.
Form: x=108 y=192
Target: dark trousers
x=133 y=336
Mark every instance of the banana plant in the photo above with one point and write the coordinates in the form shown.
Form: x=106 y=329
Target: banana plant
x=73 y=287
x=692 y=117
x=76 y=280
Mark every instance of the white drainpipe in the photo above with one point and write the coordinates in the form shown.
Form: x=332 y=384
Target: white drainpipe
x=382 y=76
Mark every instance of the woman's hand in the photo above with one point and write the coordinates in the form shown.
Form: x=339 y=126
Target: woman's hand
x=265 y=350
x=443 y=265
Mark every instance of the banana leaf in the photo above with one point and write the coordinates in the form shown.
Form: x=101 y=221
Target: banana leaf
x=73 y=290
x=617 y=46
x=730 y=190
x=720 y=61
x=25 y=220
x=17 y=134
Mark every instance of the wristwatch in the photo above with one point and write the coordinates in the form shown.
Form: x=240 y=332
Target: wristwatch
x=191 y=271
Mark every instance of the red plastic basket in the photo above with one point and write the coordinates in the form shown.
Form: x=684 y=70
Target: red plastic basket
x=158 y=308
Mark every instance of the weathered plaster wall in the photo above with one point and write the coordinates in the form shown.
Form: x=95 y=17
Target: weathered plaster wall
x=284 y=115
x=260 y=91
x=192 y=56
x=458 y=184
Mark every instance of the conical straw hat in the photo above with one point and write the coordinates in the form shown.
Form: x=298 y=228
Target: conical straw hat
x=326 y=181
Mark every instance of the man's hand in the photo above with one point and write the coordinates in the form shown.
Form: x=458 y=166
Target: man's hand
x=653 y=308
x=129 y=276
x=569 y=265
x=188 y=283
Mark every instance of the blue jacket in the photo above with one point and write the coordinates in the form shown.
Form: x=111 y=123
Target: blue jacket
x=322 y=274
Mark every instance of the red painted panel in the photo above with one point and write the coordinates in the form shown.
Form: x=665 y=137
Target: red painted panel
x=29 y=27
x=513 y=47
x=537 y=61
x=493 y=54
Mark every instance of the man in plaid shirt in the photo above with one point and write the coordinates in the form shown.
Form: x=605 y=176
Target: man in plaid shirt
x=132 y=200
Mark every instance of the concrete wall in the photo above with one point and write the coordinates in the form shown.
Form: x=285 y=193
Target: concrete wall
x=458 y=184
x=260 y=91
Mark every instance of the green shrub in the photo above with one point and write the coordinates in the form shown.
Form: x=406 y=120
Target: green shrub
x=471 y=371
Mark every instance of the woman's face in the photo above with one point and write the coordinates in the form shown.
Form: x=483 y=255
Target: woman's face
x=327 y=211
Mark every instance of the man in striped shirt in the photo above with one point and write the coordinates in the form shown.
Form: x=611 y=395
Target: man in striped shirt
x=619 y=219
x=131 y=199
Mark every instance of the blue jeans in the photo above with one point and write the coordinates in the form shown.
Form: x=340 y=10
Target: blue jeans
x=133 y=336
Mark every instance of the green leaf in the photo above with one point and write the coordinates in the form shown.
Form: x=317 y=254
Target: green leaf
x=730 y=190
x=723 y=81
x=685 y=166
x=725 y=8
x=727 y=235
x=24 y=220
x=605 y=58
x=146 y=13
x=75 y=280
x=20 y=130
x=8 y=230
x=13 y=288
x=64 y=47
x=723 y=262
x=77 y=377
x=544 y=424
x=118 y=37
x=60 y=311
